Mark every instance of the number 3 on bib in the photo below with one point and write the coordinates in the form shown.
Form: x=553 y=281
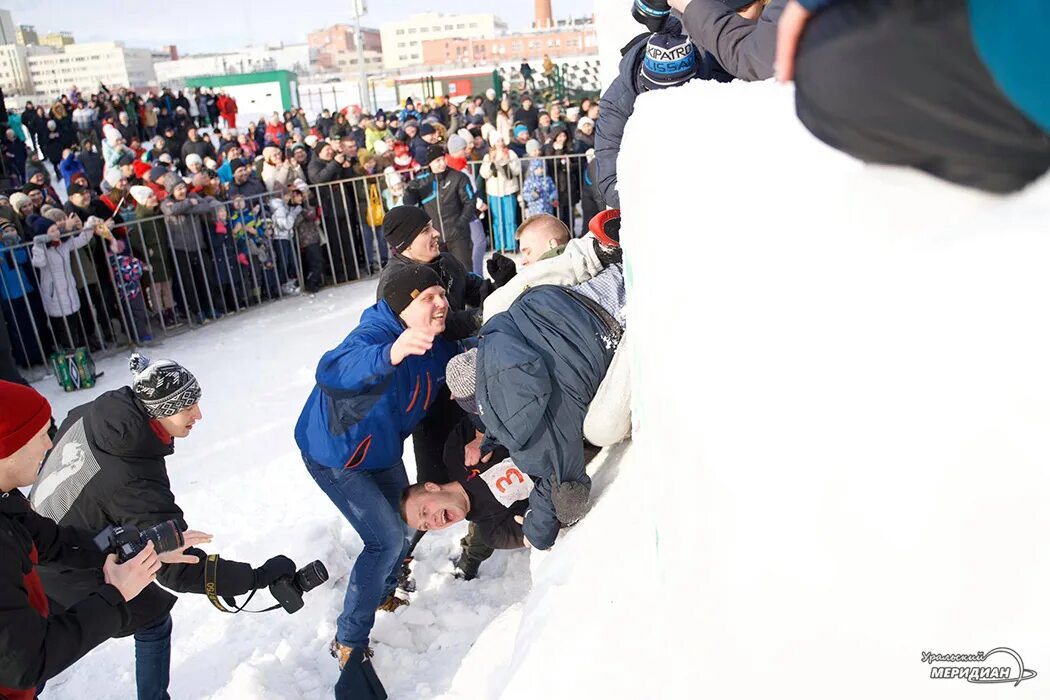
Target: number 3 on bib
x=504 y=481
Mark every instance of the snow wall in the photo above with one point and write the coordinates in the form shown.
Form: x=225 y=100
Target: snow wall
x=843 y=460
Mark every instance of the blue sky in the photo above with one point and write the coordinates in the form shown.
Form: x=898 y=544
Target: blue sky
x=229 y=25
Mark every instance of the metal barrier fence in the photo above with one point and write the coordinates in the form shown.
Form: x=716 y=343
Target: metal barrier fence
x=207 y=258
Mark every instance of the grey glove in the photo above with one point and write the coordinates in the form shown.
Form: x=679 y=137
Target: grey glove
x=570 y=501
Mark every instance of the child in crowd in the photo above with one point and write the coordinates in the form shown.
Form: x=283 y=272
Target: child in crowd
x=308 y=233
x=539 y=194
x=250 y=234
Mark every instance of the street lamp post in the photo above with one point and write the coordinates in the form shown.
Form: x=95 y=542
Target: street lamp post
x=361 y=8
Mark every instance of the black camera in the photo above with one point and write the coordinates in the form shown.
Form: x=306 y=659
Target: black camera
x=289 y=590
x=126 y=541
x=652 y=13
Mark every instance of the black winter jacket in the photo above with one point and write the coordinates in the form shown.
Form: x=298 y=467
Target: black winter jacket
x=118 y=478
x=34 y=648
x=448 y=198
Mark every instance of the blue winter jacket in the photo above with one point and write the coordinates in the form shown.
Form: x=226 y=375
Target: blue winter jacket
x=539 y=366
x=363 y=407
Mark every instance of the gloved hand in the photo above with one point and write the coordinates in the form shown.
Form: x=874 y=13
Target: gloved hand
x=501 y=269
x=652 y=13
x=570 y=501
x=242 y=258
x=274 y=568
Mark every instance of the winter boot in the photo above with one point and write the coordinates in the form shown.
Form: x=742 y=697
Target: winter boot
x=405 y=583
x=465 y=568
x=392 y=603
x=358 y=679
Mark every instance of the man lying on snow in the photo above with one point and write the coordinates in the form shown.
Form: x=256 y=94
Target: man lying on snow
x=537 y=368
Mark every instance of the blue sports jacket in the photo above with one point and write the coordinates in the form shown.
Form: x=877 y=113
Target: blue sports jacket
x=363 y=407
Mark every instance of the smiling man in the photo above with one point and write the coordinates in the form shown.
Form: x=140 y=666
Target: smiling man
x=371 y=392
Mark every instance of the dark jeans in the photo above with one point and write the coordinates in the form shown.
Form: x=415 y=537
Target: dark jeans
x=284 y=260
x=370 y=501
x=900 y=82
x=153 y=660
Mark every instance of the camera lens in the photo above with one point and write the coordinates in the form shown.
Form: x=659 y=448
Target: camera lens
x=165 y=536
x=311 y=576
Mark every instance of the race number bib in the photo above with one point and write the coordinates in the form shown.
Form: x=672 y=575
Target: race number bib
x=507 y=483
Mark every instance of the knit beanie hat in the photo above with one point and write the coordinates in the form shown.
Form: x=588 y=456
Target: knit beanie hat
x=157 y=173
x=76 y=188
x=310 y=140
x=532 y=146
x=456 y=143
x=54 y=214
x=164 y=387
x=426 y=129
x=380 y=148
x=461 y=376
x=519 y=130
x=194 y=158
x=402 y=224
x=25 y=413
x=171 y=181
x=113 y=177
x=141 y=193
x=670 y=60
x=19 y=200
x=434 y=151
x=408 y=283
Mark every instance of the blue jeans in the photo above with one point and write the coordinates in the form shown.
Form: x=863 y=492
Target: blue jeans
x=371 y=502
x=153 y=660
x=479 y=245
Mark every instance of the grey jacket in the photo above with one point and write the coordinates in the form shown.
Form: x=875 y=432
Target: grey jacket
x=744 y=48
x=184 y=233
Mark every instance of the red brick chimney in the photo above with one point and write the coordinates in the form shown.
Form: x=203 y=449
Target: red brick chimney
x=544 y=16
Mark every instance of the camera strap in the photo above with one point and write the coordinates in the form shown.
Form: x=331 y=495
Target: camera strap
x=211 y=571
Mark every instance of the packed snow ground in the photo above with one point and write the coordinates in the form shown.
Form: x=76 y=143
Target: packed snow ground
x=239 y=477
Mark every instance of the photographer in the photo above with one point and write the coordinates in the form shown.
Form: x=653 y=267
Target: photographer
x=37 y=642
x=107 y=468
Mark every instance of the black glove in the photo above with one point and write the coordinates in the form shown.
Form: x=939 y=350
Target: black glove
x=652 y=13
x=501 y=269
x=274 y=568
x=570 y=501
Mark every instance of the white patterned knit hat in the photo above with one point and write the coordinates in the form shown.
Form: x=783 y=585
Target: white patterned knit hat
x=164 y=387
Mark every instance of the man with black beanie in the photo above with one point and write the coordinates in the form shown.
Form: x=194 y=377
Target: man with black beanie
x=107 y=468
x=449 y=198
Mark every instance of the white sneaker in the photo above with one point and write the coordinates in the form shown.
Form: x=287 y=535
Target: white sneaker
x=290 y=288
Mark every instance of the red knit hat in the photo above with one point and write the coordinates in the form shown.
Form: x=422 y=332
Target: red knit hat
x=23 y=414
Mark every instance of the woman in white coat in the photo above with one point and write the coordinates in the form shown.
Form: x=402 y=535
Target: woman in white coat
x=502 y=172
